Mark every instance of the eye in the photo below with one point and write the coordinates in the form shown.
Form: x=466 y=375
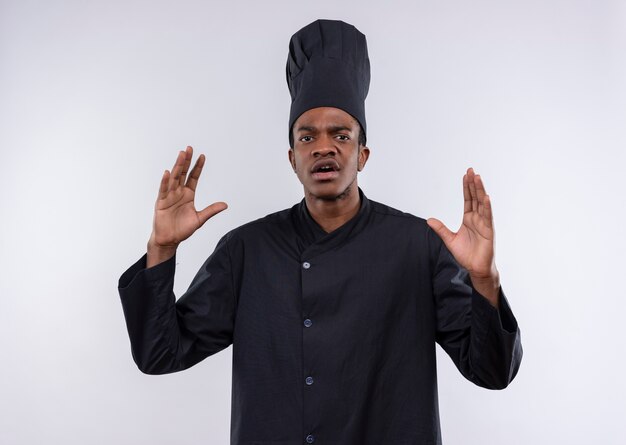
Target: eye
x=306 y=139
x=343 y=137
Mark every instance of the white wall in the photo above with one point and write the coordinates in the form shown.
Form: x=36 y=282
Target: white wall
x=97 y=97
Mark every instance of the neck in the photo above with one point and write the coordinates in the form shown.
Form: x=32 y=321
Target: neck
x=333 y=213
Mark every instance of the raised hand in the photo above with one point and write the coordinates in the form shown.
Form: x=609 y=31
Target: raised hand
x=175 y=214
x=473 y=245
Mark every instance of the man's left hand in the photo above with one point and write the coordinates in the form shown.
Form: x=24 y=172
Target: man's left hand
x=473 y=245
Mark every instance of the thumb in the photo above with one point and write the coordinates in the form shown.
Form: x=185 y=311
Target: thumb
x=440 y=229
x=208 y=212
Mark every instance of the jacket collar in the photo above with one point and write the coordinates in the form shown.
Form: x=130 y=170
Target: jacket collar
x=313 y=240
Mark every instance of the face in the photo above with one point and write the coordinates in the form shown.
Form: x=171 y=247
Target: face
x=326 y=155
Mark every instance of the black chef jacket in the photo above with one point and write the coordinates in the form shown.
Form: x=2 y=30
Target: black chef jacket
x=333 y=334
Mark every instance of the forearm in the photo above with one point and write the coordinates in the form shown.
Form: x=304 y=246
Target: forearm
x=147 y=301
x=475 y=324
x=496 y=349
x=169 y=335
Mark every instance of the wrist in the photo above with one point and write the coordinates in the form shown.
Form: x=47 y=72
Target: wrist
x=492 y=280
x=157 y=254
x=488 y=287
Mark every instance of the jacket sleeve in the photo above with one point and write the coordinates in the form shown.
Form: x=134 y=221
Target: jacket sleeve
x=483 y=342
x=168 y=335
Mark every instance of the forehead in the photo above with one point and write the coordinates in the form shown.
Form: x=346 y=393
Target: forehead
x=323 y=117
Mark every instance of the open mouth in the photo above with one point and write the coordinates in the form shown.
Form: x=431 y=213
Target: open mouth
x=325 y=170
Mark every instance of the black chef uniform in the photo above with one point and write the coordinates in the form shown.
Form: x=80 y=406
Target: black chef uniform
x=334 y=333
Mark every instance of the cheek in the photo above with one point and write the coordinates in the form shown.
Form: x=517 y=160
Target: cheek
x=296 y=163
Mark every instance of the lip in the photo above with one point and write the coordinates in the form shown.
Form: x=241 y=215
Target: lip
x=325 y=176
x=328 y=175
x=325 y=163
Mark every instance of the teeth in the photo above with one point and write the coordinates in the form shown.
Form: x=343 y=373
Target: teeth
x=325 y=169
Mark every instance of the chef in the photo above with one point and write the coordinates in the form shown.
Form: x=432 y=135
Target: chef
x=334 y=306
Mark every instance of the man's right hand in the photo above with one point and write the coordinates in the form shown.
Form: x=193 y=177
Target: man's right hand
x=175 y=215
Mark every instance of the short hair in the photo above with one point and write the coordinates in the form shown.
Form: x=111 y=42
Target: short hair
x=362 y=137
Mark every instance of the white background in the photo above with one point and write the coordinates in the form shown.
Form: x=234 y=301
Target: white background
x=97 y=97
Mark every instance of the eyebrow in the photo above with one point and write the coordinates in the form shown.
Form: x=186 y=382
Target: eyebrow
x=332 y=129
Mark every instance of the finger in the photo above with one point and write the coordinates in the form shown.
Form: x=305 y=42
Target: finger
x=440 y=229
x=480 y=187
x=165 y=179
x=467 y=197
x=488 y=213
x=480 y=194
x=187 y=163
x=192 y=181
x=211 y=211
x=472 y=187
x=176 y=170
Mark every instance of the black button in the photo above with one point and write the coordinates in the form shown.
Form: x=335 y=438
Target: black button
x=310 y=438
x=308 y=323
x=309 y=380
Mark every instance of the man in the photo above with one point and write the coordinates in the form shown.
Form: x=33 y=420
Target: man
x=333 y=306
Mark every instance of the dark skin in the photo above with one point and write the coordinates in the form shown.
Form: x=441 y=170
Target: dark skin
x=332 y=134
x=327 y=135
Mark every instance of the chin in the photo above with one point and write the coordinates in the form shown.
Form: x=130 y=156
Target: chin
x=329 y=192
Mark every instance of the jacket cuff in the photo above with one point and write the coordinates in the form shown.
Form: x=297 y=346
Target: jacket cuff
x=502 y=317
x=138 y=271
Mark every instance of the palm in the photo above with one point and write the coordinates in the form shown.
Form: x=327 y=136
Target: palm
x=473 y=245
x=176 y=218
x=175 y=214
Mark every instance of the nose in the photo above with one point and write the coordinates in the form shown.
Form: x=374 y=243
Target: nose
x=324 y=147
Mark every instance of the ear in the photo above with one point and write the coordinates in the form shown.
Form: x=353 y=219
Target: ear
x=364 y=154
x=292 y=159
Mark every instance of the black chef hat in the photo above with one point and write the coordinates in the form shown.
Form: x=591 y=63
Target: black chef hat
x=328 y=66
